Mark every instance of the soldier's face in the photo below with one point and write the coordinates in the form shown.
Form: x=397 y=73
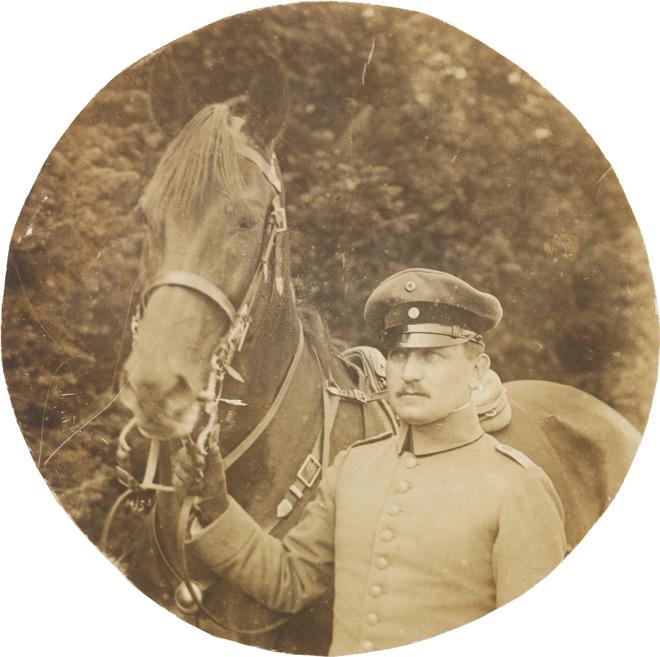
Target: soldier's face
x=426 y=385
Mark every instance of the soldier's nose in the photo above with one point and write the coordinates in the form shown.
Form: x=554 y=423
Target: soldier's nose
x=411 y=370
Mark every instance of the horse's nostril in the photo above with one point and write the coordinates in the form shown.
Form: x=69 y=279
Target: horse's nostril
x=182 y=387
x=155 y=391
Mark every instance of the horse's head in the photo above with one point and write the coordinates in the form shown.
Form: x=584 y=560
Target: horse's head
x=208 y=210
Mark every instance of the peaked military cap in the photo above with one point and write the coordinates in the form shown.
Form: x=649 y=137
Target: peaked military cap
x=425 y=308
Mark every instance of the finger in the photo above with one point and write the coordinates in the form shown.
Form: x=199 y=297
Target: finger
x=200 y=460
x=178 y=484
x=181 y=478
x=215 y=466
x=183 y=460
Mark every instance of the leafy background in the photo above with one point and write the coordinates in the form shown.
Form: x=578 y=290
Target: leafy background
x=408 y=143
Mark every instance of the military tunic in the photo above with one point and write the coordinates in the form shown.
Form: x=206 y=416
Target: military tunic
x=420 y=537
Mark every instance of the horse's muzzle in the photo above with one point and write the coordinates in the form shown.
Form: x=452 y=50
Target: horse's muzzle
x=164 y=406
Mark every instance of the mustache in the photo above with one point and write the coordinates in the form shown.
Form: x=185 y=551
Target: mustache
x=411 y=390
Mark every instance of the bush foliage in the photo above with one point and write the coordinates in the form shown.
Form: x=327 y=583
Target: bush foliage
x=408 y=143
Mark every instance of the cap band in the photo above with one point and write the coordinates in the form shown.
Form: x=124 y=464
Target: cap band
x=456 y=334
x=424 y=312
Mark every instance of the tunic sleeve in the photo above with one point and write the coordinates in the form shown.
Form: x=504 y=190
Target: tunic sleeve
x=286 y=574
x=530 y=540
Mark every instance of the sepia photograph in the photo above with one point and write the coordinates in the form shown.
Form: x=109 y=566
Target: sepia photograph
x=330 y=328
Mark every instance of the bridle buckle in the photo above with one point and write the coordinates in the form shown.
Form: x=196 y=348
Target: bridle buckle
x=279 y=216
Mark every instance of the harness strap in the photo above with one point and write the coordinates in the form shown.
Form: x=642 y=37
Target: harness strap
x=330 y=409
x=258 y=431
x=307 y=475
x=197 y=283
x=317 y=462
x=107 y=524
x=355 y=394
x=258 y=159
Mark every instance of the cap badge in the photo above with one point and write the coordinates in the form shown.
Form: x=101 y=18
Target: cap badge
x=413 y=312
x=410 y=286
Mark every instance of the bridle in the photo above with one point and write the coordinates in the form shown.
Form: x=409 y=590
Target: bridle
x=189 y=594
x=239 y=318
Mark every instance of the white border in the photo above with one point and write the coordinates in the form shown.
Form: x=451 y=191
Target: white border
x=60 y=596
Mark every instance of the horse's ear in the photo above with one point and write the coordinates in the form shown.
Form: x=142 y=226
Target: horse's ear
x=267 y=104
x=169 y=95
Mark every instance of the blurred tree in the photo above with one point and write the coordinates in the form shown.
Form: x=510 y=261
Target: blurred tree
x=408 y=144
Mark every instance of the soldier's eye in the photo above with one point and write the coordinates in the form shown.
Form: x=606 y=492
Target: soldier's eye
x=432 y=356
x=396 y=355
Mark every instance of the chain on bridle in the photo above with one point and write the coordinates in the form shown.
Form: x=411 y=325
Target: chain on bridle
x=189 y=594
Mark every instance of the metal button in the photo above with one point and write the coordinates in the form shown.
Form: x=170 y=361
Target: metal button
x=372 y=619
x=386 y=535
x=402 y=486
x=394 y=509
x=410 y=461
x=367 y=645
x=413 y=312
x=410 y=286
x=375 y=590
x=382 y=563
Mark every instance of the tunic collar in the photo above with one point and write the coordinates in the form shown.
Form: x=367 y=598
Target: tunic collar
x=456 y=430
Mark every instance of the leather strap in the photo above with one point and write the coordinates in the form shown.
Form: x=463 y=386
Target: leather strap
x=197 y=283
x=258 y=431
x=330 y=408
x=355 y=394
x=296 y=490
x=258 y=159
x=107 y=524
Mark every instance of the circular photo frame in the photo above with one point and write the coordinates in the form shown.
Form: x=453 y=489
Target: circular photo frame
x=526 y=218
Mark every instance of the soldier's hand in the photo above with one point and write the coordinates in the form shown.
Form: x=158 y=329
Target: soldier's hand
x=184 y=471
x=214 y=496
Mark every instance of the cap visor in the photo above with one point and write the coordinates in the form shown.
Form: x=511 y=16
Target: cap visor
x=424 y=341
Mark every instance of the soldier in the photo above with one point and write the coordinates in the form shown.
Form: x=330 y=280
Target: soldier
x=418 y=532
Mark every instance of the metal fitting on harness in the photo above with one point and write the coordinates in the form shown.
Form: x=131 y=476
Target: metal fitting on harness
x=187 y=597
x=345 y=393
x=279 y=217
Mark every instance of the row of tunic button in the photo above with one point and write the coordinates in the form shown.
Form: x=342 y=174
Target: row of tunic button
x=382 y=562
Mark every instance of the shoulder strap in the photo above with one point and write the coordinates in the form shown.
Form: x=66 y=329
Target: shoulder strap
x=372 y=439
x=515 y=455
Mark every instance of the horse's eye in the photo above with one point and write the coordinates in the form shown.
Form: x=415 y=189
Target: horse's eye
x=246 y=224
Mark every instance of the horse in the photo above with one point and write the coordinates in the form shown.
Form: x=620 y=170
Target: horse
x=223 y=352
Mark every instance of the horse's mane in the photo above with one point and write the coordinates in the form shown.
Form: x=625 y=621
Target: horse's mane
x=201 y=155
x=317 y=332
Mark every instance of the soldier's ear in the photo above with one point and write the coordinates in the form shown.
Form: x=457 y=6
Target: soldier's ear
x=169 y=95
x=480 y=367
x=267 y=103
